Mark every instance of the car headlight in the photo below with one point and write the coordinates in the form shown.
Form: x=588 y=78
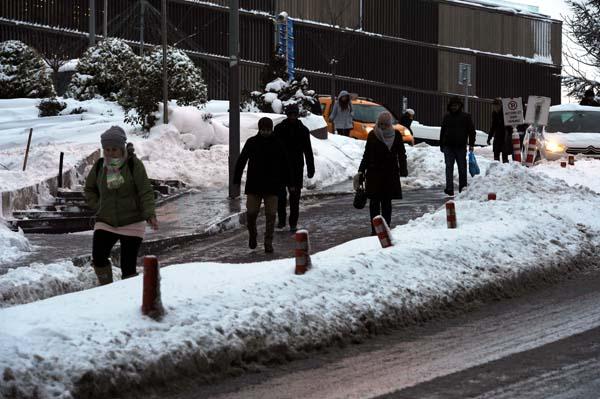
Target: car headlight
x=554 y=146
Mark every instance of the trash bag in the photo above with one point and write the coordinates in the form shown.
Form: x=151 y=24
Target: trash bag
x=473 y=167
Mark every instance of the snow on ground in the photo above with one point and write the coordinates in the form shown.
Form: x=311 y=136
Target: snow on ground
x=585 y=172
x=12 y=245
x=218 y=314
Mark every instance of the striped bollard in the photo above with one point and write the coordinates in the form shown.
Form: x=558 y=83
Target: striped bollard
x=563 y=164
x=531 y=149
x=451 y=214
x=303 y=263
x=516 y=143
x=151 y=302
x=383 y=231
x=491 y=196
x=571 y=159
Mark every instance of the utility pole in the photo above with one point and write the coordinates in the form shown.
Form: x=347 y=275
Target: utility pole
x=165 y=73
x=92 y=22
x=105 y=21
x=234 y=93
x=332 y=64
x=142 y=26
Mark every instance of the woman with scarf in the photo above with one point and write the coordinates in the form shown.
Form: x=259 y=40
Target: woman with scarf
x=119 y=191
x=383 y=162
x=342 y=114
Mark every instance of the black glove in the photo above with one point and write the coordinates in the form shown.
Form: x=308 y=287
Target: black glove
x=310 y=173
x=441 y=149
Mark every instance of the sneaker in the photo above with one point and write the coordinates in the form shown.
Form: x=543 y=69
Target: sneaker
x=293 y=229
x=268 y=248
x=252 y=242
x=449 y=192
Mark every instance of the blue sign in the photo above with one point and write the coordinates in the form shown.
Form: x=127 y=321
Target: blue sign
x=285 y=45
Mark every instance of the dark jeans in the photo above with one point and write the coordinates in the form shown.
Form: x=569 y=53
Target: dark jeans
x=253 y=206
x=504 y=156
x=294 y=206
x=381 y=207
x=344 y=132
x=458 y=155
x=103 y=243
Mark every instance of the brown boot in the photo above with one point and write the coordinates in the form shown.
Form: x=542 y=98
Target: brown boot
x=104 y=273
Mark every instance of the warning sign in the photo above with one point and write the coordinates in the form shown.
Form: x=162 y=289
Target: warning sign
x=513 y=111
x=537 y=110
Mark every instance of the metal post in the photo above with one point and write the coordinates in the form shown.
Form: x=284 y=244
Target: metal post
x=332 y=64
x=92 y=22
x=27 y=149
x=165 y=72
x=105 y=21
x=466 y=96
x=60 y=170
x=142 y=26
x=234 y=94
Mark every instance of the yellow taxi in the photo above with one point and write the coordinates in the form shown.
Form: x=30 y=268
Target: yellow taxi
x=365 y=117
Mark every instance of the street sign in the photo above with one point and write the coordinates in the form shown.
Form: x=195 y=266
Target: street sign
x=464 y=74
x=513 y=111
x=537 y=110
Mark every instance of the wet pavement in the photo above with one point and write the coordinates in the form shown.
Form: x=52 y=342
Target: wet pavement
x=330 y=219
x=543 y=344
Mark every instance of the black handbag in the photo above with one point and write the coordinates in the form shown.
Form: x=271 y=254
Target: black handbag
x=360 y=197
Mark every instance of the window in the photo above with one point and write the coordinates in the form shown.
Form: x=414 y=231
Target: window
x=573 y=121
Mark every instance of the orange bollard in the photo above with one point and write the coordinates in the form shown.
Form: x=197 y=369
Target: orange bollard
x=303 y=263
x=531 y=149
x=516 y=143
x=571 y=159
x=563 y=164
x=383 y=231
x=451 y=214
x=491 y=196
x=151 y=302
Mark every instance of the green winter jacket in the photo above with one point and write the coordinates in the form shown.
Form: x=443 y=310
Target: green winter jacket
x=132 y=202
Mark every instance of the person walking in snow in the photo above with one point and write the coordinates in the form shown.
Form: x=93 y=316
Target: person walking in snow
x=268 y=173
x=296 y=141
x=382 y=165
x=457 y=131
x=501 y=134
x=119 y=191
x=589 y=99
x=407 y=119
x=342 y=114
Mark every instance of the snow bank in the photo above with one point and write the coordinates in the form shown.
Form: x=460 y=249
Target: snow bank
x=584 y=173
x=91 y=342
x=13 y=245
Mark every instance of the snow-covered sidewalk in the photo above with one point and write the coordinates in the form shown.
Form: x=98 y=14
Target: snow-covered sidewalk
x=94 y=342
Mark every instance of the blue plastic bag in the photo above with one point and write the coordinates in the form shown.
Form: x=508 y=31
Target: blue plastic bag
x=473 y=167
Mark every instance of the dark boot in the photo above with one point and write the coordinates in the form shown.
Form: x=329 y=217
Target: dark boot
x=104 y=273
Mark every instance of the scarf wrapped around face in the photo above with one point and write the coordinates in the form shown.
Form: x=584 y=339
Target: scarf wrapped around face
x=386 y=136
x=114 y=179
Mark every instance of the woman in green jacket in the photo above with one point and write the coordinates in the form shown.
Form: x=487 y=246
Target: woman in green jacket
x=119 y=191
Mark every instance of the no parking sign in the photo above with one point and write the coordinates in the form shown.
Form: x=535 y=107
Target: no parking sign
x=513 y=111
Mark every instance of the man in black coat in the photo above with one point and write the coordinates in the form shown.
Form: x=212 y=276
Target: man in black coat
x=589 y=99
x=407 y=119
x=296 y=141
x=457 y=131
x=267 y=172
x=501 y=134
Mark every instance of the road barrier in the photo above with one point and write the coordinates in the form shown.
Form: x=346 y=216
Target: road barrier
x=563 y=164
x=303 y=263
x=571 y=159
x=531 y=149
x=516 y=143
x=151 y=302
x=451 y=214
x=383 y=231
x=491 y=196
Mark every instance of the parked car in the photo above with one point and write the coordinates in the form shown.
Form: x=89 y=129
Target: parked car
x=572 y=129
x=365 y=117
x=431 y=134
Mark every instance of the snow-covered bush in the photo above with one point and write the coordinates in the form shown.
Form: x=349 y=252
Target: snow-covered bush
x=102 y=70
x=278 y=94
x=143 y=90
x=51 y=107
x=23 y=73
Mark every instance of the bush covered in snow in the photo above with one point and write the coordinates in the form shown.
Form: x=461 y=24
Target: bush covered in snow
x=279 y=94
x=102 y=70
x=51 y=107
x=23 y=73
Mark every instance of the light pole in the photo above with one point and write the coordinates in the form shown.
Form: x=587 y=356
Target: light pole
x=105 y=20
x=234 y=94
x=164 y=65
x=92 y=22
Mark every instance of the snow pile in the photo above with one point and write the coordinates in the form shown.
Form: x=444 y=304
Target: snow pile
x=38 y=281
x=12 y=244
x=92 y=342
x=584 y=173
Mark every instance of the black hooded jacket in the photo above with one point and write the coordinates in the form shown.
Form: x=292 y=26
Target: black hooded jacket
x=457 y=128
x=296 y=141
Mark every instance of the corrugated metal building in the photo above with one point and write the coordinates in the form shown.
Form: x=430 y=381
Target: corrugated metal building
x=384 y=49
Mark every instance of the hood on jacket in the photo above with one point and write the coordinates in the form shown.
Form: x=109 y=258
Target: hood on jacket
x=455 y=100
x=343 y=93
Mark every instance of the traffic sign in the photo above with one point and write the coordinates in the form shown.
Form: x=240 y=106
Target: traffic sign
x=513 y=111
x=464 y=74
x=538 y=108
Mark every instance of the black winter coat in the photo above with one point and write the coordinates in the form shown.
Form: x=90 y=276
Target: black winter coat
x=457 y=129
x=501 y=134
x=590 y=102
x=268 y=169
x=296 y=141
x=406 y=122
x=384 y=167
